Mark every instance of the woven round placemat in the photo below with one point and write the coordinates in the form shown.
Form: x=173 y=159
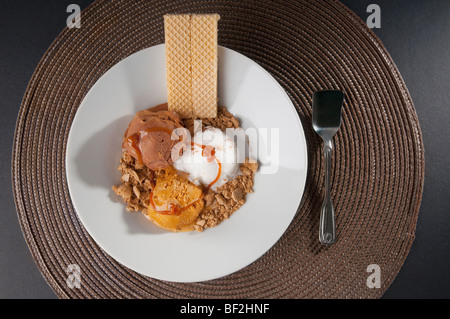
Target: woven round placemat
x=378 y=168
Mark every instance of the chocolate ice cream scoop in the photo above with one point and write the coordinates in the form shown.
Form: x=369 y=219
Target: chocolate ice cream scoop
x=149 y=137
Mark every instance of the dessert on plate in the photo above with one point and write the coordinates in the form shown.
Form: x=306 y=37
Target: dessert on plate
x=181 y=165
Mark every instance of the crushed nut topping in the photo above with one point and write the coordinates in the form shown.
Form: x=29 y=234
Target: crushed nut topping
x=135 y=184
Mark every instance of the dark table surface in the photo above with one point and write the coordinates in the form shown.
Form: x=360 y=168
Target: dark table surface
x=415 y=32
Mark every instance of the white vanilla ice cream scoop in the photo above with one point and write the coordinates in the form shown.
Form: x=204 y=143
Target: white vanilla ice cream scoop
x=212 y=159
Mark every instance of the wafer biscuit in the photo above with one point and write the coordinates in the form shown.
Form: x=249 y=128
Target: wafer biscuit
x=204 y=64
x=178 y=64
x=191 y=64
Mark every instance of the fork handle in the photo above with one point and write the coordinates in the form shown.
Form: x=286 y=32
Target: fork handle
x=327 y=228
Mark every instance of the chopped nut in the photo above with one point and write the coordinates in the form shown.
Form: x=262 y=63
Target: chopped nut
x=209 y=199
x=235 y=122
x=134 y=175
x=123 y=191
x=130 y=208
x=148 y=184
x=127 y=158
x=135 y=180
x=237 y=194
x=251 y=165
x=139 y=166
x=223 y=121
x=198 y=228
x=201 y=222
x=220 y=199
x=136 y=192
x=125 y=178
x=227 y=194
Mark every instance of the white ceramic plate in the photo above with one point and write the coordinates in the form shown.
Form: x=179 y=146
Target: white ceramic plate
x=94 y=150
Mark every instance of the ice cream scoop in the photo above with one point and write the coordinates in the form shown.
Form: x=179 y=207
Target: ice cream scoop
x=149 y=137
x=175 y=203
x=212 y=159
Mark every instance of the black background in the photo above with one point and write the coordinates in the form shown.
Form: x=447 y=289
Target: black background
x=416 y=33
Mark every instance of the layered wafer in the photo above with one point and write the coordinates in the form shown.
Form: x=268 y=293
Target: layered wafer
x=192 y=63
x=204 y=65
x=178 y=64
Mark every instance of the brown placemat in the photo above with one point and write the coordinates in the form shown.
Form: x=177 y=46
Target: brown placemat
x=378 y=169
